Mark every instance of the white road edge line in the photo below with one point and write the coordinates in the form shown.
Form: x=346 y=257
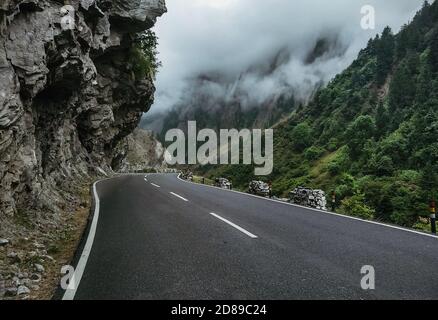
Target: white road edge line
x=79 y=271
x=178 y=196
x=155 y=185
x=317 y=210
x=249 y=234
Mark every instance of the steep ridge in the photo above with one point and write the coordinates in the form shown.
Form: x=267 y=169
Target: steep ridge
x=67 y=96
x=71 y=90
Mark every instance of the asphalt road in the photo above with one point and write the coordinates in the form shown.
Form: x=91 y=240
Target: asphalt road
x=206 y=243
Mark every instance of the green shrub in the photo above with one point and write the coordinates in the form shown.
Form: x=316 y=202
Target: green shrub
x=313 y=153
x=357 y=134
x=302 y=136
x=333 y=144
x=381 y=166
x=334 y=168
x=141 y=66
x=343 y=191
x=143 y=55
x=355 y=206
x=340 y=163
x=408 y=204
x=409 y=176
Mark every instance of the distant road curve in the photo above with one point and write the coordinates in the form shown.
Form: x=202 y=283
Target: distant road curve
x=157 y=237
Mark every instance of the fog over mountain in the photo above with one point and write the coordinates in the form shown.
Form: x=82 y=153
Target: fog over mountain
x=219 y=52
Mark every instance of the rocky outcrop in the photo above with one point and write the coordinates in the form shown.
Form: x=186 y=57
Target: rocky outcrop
x=141 y=152
x=68 y=96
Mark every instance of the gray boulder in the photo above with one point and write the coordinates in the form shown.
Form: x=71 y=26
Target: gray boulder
x=309 y=198
x=22 y=290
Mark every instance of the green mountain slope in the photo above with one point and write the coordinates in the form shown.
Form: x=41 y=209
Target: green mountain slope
x=371 y=135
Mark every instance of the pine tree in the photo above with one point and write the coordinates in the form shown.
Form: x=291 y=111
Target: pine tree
x=402 y=88
x=402 y=42
x=357 y=134
x=426 y=20
x=385 y=55
x=382 y=120
x=424 y=83
x=433 y=57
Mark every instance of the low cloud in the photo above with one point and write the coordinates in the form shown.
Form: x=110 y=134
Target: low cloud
x=257 y=49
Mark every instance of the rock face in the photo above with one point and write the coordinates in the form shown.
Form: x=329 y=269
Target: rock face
x=68 y=95
x=141 y=151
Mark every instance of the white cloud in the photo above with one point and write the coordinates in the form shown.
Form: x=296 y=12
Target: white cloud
x=229 y=37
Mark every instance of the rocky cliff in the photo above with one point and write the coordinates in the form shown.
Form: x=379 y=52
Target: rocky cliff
x=68 y=95
x=142 y=152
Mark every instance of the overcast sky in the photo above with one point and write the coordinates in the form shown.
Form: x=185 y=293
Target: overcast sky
x=232 y=36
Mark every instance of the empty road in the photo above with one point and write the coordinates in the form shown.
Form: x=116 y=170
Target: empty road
x=158 y=237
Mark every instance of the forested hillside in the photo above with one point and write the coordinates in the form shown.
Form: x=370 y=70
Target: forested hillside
x=371 y=135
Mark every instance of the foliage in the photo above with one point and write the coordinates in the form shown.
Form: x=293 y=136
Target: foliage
x=371 y=134
x=144 y=55
x=385 y=53
x=301 y=136
x=358 y=133
x=313 y=153
x=356 y=207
